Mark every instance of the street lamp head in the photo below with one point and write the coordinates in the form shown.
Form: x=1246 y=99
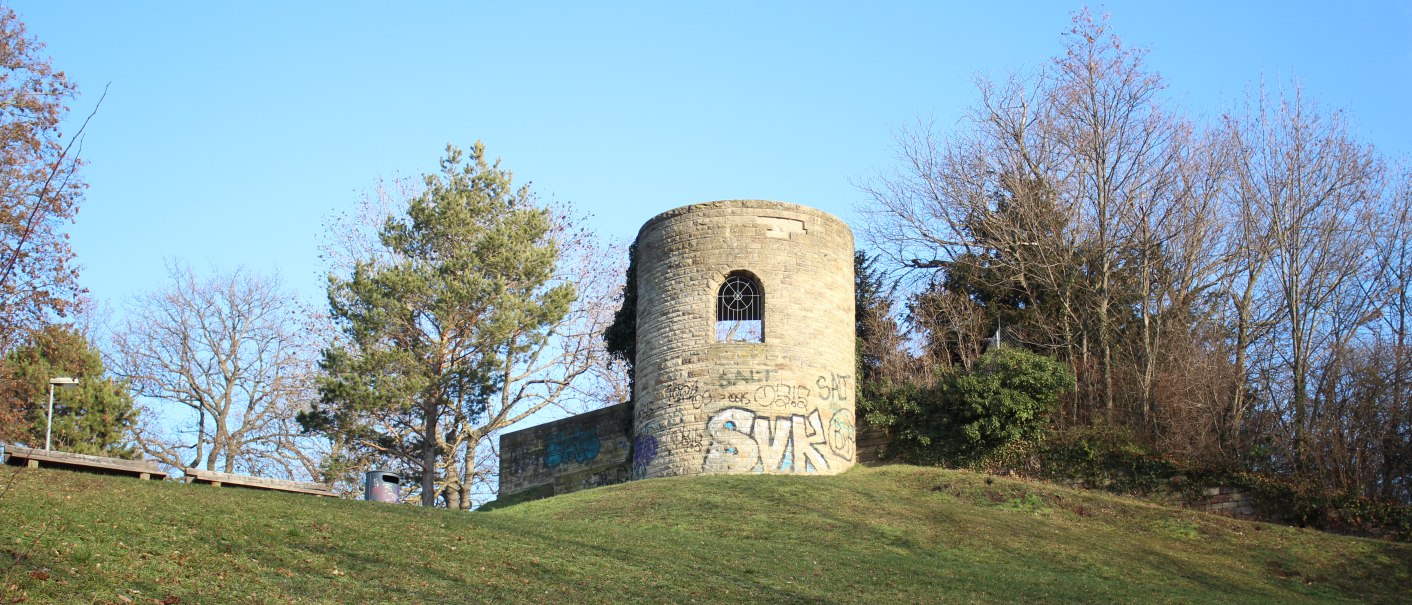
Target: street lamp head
x=61 y=381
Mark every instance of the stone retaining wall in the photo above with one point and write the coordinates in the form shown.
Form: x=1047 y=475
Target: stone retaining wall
x=579 y=452
x=1228 y=501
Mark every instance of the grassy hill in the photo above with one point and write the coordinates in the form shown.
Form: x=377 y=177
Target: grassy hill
x=889 y=535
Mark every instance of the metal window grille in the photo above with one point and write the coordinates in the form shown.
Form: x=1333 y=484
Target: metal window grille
x=740 y=310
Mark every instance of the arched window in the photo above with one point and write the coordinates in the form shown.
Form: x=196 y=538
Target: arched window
x=740 y=309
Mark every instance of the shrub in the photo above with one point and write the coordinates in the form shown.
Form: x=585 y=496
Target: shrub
x=967 y=415
x=1107 y=456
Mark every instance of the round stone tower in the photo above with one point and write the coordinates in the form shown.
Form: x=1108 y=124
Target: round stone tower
x=745 y=346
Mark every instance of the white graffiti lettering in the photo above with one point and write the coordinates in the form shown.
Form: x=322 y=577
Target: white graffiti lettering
x=742 y=442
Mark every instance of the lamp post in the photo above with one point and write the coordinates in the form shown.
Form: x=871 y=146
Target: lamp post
x=62 y=381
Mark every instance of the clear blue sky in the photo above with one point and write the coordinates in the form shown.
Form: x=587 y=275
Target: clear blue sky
x=231 y=130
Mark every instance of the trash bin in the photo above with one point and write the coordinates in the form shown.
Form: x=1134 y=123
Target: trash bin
x=381 y=486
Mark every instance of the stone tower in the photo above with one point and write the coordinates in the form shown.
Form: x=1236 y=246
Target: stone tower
x=745 y=341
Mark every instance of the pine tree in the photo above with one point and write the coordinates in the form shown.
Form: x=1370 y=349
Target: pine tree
x=443 y=323
x=90 y=419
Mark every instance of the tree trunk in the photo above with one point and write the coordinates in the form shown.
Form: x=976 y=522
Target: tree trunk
x=200 y=436
x=429 y=427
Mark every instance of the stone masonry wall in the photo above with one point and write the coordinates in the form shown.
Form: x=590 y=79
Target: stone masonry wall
x=579 y=452
x=1229 y=501
x=781 y=406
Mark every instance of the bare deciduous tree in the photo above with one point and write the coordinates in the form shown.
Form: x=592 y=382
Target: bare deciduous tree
x=1071 y=189
x=229 y=348
x=1392 y=288
x=1212 y=289
x=1314 y=190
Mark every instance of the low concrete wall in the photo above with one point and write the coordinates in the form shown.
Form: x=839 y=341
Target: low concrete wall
x=579 y=452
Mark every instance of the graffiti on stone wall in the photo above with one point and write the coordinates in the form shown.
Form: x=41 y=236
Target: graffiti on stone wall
x=781 y=396
x=659 y=420
x=683 y=394
x=780 y=427
x=685 y=441
x=841 y=434
x=644 y=451
x=519 y=460
x=743 y=442
x=730 y=378
x=578 y=446
x=570 y=454
x=612 y=476
x=834 y=387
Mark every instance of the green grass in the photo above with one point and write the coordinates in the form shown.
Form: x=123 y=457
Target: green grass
x=890 y=535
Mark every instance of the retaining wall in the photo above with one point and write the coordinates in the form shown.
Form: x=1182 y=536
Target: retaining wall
x=579 y=452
